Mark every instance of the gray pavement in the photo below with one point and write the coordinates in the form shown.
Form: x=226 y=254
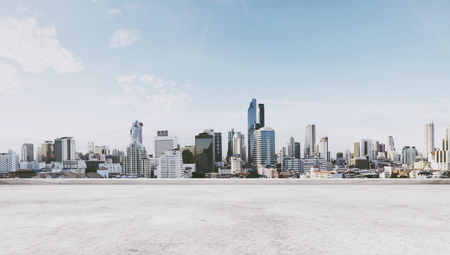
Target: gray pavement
x=224 y=219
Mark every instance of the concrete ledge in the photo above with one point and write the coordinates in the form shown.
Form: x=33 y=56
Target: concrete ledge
x=223 y=182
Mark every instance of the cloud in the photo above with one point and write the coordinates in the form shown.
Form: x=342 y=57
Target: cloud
x=9 y=80
x=124 y=37
x=114 y=12
x=153 y=95
x=35 y=48
x=22 y=8
x=125 y=79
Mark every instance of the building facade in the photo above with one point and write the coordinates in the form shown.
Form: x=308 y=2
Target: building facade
x=310 y=141
x=64 y=149
x=27 y=152
x=204 y=153
x=164 y=142
x=9 y=162
x=428 y=139
x=171 y=165
x=265 y=154
x=136 y=162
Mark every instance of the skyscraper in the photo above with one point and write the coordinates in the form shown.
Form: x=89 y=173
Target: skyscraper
x=291 y=147
x=265 y=147
x=164 y=142
x=48 y=151
x=391 y=154
x=310 y=141
x=27 y=152
x=171 y=164
x=38 y=154
x=297 y=152
x=9 y=162
x=136 y=162
x=409 y=154
x=237 y=143
x=429 y=139
x=324 y=153
x=356 y=149
x=218 y=149
x=64 y=149
x=251 y=117
x=91 y=147
x=261 y=117
x=204 y=153
x=442 y=157
x=366 y=149
x=230 y=145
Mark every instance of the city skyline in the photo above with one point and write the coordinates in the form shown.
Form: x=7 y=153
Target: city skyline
x=170 y=64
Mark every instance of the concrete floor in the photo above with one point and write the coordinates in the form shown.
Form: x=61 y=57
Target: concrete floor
x=224 y=219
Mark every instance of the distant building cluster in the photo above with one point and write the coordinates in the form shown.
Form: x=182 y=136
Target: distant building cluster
x=248 y=155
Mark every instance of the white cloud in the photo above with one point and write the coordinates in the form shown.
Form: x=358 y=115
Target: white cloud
x=35 y=48
x=125 y=79
x=124 y=37
x=160 y=99
x=9 y=80
x=114 y=12
x=22 y=8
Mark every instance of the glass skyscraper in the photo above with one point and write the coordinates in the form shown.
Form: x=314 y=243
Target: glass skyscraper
x=265 y=147
x=251 y=114
x=204 y=153
x=310 y=141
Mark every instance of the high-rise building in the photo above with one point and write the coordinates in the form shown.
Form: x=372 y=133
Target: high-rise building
x=48 y=151
x=291 y=147
x=409 y=154
x=251 y=117
x=237 y=143
x=39 y=154
x=297 y=152
x=324 y=153
x=9 y=162
x=171 y=165
x=391 y=154
x=429 y=139
x=366 y=149
x=27 y=152
x=265 y=147
x=230 y=144
x=164 y=142
x=91 y=147
x=261 y=117
x=218 y=149
x=310 y=141
x=204 y=153
x=356 y=149
x=64 y=149
x=136 y=162
x=441 y=159
x=236 y=164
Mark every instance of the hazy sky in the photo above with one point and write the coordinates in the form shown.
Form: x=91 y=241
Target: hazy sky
x=356 y=69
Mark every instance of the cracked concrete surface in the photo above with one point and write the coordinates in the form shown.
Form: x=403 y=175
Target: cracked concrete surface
x=224 y=219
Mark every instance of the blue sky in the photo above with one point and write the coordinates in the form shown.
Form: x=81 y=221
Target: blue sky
x=356 y=69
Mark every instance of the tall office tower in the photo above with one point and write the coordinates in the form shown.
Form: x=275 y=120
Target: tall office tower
x=171 y=164
x=429 y=139
x=27 y=152
x=230 y=144
x=251 y=117
x=237 y=143
x=64 y=149
x=324 y=153
x=442 y=156
x=375 y=149
x=218 y=148
x=356 y=149
x=48 y=151
x=9 y=162
x=265 y=147
x=164 y=142
x=348 y=156
x=91 y=147
x=366 y=149
x=391 y=154
x=261 y=117
x=409 y=154
x=291 y=147
x=297 y=151
x=310 y=141
x=204 y=153
x=136 y=162
x=38 y=154
x=136 y=132
x=244 y=149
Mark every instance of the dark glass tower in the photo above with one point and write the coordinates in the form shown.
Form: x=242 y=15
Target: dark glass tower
x=251 y=115
x=297 y=152
x=204 y=153
x=218 y=147
x=261 y=115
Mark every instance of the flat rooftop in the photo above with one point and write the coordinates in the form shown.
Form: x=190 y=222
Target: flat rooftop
x=225 y=219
